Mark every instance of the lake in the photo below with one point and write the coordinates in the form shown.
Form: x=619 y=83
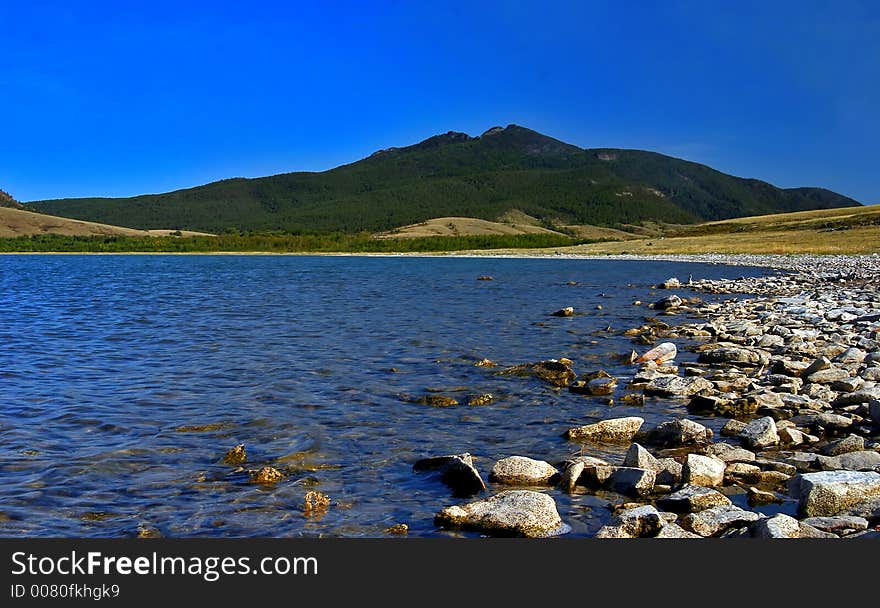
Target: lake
x=124 y=379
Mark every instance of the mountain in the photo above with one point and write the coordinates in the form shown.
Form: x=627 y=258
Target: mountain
x=454 y=174
x=6 y=200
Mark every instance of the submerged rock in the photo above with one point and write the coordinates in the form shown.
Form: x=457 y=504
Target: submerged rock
x=236 y=455
x=614 y=430
x=266 y=475
x=457 y=471
x=596 y=384
x=478 y=400
x=553 y=372
x=519 y=470
x=435 y=400
x=397 y=530
x=510 y=513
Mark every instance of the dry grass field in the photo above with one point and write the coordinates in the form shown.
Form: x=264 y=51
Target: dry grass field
x=15 y=222
x=462 y=226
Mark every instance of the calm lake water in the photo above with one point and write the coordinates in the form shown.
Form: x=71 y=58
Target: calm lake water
x=107 y=360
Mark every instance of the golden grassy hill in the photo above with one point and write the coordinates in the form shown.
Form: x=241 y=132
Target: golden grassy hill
x=462 y=226
x=15 y=222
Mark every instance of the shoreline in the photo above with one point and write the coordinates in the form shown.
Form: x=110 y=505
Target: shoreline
x=791 y=262
x=793 y=368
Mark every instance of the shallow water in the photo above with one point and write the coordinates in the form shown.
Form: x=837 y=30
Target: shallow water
x=124 y=380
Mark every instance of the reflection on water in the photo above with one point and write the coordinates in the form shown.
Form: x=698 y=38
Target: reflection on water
x=125 y=379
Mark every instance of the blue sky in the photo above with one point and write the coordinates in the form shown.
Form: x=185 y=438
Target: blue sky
x=122 y=98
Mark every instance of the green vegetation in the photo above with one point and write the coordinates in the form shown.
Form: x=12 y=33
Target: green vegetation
x=458 y=175
x=275 y=243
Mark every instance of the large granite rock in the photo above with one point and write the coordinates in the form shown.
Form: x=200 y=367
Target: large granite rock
x=676 y=386
x=703 y=470
x=511 y=513
x=519 y=470
x=760 y=433
x=614 y=430
x=832 y=492
x=640 y=458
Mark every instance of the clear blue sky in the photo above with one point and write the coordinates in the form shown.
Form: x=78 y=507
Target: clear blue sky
x=121 y=98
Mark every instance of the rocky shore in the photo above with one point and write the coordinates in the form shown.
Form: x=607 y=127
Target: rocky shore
x=794 y=368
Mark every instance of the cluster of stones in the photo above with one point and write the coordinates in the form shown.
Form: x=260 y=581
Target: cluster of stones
x=795 y=368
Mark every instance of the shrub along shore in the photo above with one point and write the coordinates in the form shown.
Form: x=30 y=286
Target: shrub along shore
x=278 y=243
x=795 y=372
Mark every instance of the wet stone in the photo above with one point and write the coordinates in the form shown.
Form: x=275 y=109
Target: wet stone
x=692 y=498
x=676 y=386
x=703 y=471
x=457 y=471
x=863 y=460
x=511 y=513
x=730 y=453
x=679 y=432
x=519 y=470
x=831 y=492
x=713 y=521
x=556 y=373
x=760 y=433
x=614 y=430
x=732 y=428
x=669 y=472
x=778 y=526
x=478 y=400
x=851 y=443
x=632 y=481
x=839 y=524
x=236 y=455
x=266 y=475
x=639 y=457
x=640 y=521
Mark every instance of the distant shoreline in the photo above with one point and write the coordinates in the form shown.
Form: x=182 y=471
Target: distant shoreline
x=775 y=261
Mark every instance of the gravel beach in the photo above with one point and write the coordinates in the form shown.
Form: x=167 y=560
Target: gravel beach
x=794 y=367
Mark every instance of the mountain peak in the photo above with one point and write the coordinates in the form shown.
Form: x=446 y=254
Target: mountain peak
x=450 y=137
x=528 y=141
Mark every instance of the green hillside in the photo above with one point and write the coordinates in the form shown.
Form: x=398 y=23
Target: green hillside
x=455 y=174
